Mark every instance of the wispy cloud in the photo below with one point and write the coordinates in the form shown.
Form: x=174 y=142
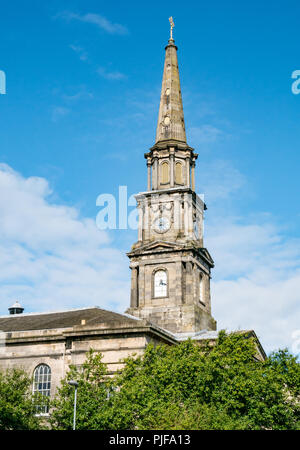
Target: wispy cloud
x=81 y=94
x=58 y=112
x=219 y=179
x=114 y=75
x=204 y=134
x=80 y=52
x=96 y=19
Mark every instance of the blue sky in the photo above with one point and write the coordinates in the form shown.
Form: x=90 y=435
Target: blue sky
x=83 y=87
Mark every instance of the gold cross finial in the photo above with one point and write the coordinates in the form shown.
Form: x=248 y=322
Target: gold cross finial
x=172 y=25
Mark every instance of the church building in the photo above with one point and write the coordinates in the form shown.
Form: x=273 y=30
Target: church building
x=170 y=270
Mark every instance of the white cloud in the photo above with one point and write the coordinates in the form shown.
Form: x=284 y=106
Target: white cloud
x=204 y=134
x=110 y=75
x=256 y=281
x=51 y=258
x=81 y=94
x=256 y=278
x=96 y=19
x=58 y=112
x=219 y=179
x=80 y=52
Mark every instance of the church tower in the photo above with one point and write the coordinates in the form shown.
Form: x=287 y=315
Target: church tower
x=170 y=268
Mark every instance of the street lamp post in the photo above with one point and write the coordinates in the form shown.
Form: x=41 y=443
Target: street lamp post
x=75 y=384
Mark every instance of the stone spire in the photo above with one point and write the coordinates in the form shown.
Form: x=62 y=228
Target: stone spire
x=170 y=124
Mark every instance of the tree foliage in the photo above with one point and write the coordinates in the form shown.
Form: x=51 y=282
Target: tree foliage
x=92 y=395
x=18 y=406
x=186 y=387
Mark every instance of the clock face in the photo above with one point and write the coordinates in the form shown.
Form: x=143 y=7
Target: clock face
x=161 y=225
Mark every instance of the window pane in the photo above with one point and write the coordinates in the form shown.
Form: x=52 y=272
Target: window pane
x=42 y=384
x=202 y=290
x=160 y=283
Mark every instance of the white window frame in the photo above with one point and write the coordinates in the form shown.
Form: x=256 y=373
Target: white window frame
x=160 y=290
x=202 y=289
x=42 y=384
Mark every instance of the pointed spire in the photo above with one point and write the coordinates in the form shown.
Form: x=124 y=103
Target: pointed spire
x=170 y=117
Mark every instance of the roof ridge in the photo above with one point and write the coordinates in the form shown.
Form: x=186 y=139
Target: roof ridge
x=8 y=316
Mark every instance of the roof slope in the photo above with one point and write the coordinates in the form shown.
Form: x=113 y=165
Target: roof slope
x=64 y=319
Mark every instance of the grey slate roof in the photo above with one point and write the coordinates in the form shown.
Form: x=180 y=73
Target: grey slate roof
x=63 y=319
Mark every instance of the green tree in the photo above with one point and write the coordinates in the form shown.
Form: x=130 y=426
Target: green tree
x=18 y=406
x=188 y=386
x=92 y=395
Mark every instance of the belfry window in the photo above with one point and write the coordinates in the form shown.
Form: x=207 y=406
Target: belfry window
x=42 y=384
x=160 y=283
x=164 y=173
x=178 y=173
x=202 y=289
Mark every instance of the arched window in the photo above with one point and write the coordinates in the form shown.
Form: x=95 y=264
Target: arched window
x=202 y=289
x=164 y=173
x=42 y=384
x=160 y=283
x=178 y=173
